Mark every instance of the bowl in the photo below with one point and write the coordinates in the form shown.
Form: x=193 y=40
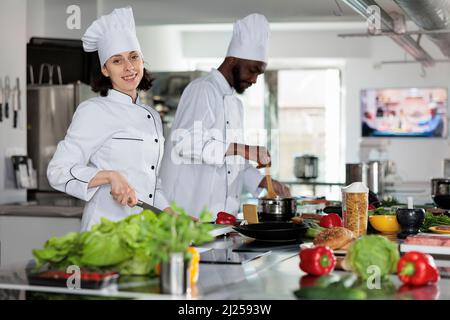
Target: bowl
x=384 y=223
x=410 y=221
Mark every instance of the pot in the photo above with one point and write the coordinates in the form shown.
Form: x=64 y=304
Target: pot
x=306 y=167
x=440 y=192
x=276 y=209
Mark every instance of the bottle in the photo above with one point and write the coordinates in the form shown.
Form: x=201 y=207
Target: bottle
x=355 y=204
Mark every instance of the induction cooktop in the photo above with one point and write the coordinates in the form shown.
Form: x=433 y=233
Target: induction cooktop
x=229 y=256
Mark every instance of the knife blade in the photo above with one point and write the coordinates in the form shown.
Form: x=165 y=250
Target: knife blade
x=147 y=206
x=1 y=100
x=7 y=93
x=17 y=106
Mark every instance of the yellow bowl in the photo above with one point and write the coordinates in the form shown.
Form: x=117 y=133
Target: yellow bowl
x=385 y=223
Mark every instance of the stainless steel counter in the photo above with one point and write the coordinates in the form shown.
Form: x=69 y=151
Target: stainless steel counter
x=270 y=277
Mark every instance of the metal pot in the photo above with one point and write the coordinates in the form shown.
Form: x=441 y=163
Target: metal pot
x=306 y=167
x=440 y=192
x=276 y=209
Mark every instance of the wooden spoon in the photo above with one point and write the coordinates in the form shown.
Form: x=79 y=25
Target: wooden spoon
x=271 y=194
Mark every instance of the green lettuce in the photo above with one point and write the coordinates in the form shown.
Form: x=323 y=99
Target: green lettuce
x=131 y=246
x=372 y=250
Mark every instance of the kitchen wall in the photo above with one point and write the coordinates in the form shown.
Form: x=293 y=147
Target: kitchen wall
x=47 y=18
x=13 y=31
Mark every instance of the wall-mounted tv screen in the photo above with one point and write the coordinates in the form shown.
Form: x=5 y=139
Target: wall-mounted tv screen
x=406 y=112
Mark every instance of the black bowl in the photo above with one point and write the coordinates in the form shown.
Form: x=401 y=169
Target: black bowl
x=273 y=231
x=410 y=220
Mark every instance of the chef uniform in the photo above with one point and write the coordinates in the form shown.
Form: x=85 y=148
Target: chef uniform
x=110 y=133
x=195 y=172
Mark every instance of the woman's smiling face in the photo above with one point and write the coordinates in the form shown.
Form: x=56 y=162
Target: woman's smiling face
x=125 y=71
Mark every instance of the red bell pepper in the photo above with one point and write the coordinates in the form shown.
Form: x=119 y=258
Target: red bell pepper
x=417 y=268
x=317 y=261
x=225 y=218
x=330 y=220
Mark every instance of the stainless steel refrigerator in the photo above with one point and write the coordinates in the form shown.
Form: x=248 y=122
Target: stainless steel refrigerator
x=49 y=112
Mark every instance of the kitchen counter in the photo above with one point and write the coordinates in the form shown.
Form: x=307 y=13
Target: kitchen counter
x=32 y=210
x=270 y=277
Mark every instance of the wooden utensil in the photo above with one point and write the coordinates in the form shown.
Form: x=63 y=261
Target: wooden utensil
x=270 y=192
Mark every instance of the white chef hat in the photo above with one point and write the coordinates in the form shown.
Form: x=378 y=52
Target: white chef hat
x=112 y=34
x=250 y=38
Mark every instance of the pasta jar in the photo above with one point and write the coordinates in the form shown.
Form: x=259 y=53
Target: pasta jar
x=355 y=203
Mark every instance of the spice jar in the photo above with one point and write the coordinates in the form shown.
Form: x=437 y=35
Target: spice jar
x=355 y=203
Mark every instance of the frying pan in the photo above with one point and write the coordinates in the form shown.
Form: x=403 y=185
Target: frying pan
x=273 y=231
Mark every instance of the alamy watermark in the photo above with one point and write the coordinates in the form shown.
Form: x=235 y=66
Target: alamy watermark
x=73 y=21
x=74 y=281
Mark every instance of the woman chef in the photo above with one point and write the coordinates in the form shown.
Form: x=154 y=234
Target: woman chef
x=112 y=151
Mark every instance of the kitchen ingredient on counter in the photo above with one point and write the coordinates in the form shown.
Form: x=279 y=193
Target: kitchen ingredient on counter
x=389 y=201
x=417 y=268
x=384 y=223
x=317 y=261
x=432 y=220
x=440 y=229
x=335 y=238
x=250 y=213
x=333 y=289
x=369 y=251
x=312 y=216
x=225 y=218
x=331 y=220
x=297 y=220
x=313 y=227
x=382 y=211
x=428 y=240
x=131 y=246
x=194 y=265
x=355 y=202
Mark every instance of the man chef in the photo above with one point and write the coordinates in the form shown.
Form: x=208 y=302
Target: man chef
x=206 y=162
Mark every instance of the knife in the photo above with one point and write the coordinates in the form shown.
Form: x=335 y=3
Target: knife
x=147 y=206
x=7 y=93
x=16 y=106
x=1 y=100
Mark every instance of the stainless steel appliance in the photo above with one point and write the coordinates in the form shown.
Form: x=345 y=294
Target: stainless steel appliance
x=306 y=167
x=371 y=174
x=375 y=177
x=49 y=112
x=355 y=172
x=440 y=192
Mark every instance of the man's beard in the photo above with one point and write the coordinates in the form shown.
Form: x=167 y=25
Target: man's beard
x=237 y=82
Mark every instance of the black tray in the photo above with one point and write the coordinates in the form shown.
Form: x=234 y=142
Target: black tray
x=273 y=231
x=42 y=278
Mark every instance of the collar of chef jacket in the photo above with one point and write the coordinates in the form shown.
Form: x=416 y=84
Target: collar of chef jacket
x=118 y=96
x=222 y=83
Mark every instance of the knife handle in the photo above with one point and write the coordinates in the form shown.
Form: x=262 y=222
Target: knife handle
x=1 y=112
x=6 y=110
x=15 y=119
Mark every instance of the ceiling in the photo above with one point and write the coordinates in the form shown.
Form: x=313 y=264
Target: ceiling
x=157 y=12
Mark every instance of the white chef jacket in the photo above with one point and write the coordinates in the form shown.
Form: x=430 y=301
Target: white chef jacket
x=110 y=133
x=195 y=172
